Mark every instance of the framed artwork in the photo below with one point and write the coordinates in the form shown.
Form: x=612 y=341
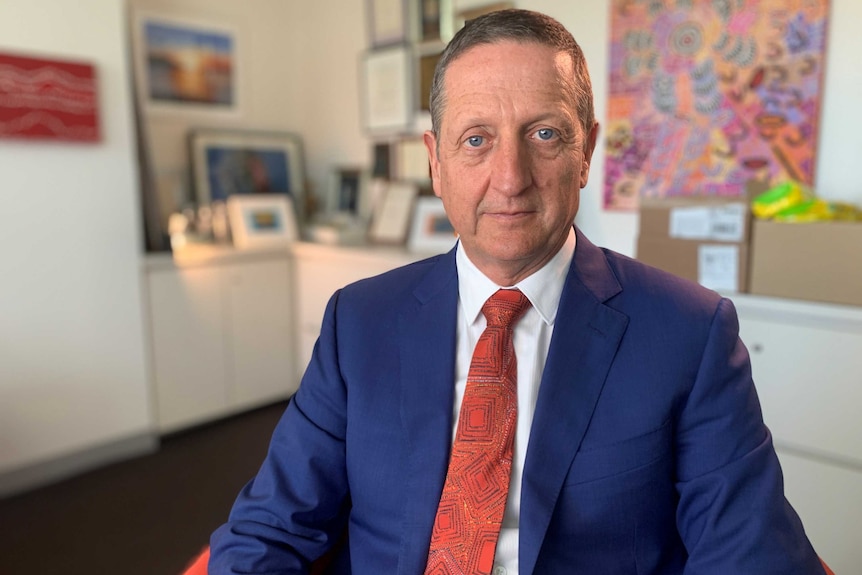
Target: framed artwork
x=261 y=220
x=706 y=97
x=431 y=230
x=232 y=162
x=382 y=163
x=435 y=21
x=387 y=95
x=387 y=22
x=184 y=65
x=392 y=214
x=48 y=99
x=349 y=192
x=468 y=14
x=411 y=161
x=427 y=65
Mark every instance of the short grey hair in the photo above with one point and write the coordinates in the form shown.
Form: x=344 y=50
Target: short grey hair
x=519 y=26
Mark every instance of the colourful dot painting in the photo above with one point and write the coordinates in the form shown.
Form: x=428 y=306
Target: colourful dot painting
x=708 y=95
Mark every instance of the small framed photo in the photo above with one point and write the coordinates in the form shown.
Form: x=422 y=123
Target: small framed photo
x=349 y=192
x=387 y=92
x=431 y=230
x=411 y=161
x=233 y=162
x=186 y=65
x=258 y=221
x=435 y=21
x=387 y=22
x=391 y=220
x=468 y=14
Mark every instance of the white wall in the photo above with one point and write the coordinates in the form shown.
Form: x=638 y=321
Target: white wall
x=72 y=369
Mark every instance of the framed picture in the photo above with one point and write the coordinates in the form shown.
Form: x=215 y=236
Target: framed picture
x=349 y=193
x=261 y=220
x=232 y=162
x=435 y=21
x=411 y=161
x=427 y=65
x=382 y=163
x=184 y=65
x=391 y=219
x=387 y=22
x=387 y=94
x=431 y=230
x=468 y=14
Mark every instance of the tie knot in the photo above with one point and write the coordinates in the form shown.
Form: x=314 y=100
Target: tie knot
x=505 y=307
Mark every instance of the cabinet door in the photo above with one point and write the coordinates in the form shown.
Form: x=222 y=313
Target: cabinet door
x=809 y=379
x=828 y=499
x=261 y=332
x=188 y=345
x=318 y=279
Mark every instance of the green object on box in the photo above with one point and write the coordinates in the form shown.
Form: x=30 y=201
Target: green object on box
x=777 y=199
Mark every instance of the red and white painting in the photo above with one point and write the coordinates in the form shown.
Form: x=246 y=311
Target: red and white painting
x=48 y=99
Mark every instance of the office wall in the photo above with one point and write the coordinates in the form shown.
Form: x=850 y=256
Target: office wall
x=72 y=370
x=330 y=104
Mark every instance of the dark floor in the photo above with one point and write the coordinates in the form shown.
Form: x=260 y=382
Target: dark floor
x=146 y=516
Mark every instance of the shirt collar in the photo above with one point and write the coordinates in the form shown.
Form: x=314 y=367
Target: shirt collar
x=543 y=288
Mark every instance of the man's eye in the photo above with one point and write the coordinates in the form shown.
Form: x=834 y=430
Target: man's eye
x=545 y=134
x=475 y=141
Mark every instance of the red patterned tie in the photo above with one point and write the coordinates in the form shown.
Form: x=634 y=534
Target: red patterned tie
x=471 y=507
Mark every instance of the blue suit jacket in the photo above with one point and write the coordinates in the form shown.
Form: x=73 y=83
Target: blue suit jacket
x=647 y=453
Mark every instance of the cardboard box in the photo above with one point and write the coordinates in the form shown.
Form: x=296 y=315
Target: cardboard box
x=701 y=239
x=818 y=261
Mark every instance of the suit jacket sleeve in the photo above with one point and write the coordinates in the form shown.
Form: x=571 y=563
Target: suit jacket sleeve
x=732 y=514
x=295 y=508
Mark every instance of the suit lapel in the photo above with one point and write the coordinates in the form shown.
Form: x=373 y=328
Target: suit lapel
x=586 y=337
x=427 y=335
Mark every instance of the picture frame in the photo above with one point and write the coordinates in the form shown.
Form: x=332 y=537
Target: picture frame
x=431 y=231
x=411 y=161
x=261 y=221
x=434 y=21
x=186 y=65
x=463 y=16
x=387 y=91
x=391 y=220
x=387 y=22
x=349 y=192
x=240 y=162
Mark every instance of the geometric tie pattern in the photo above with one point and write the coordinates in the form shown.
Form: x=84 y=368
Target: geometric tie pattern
x=467 y=526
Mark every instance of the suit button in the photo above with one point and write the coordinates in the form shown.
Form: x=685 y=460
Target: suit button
x=499 y=570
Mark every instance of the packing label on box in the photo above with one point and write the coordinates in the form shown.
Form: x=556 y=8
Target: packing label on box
x=718 y=266
x=718 y=223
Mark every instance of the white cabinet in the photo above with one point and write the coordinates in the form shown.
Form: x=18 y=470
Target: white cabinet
x=807 y=365
x=321 y=270
x=222 y=335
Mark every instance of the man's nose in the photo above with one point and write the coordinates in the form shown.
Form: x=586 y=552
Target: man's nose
x=511 y=170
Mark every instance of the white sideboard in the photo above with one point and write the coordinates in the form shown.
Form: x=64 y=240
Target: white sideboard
x=222 y=332
x=322 y=269
x=807 y=365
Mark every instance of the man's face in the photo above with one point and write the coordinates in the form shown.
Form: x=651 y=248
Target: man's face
x=511 y=156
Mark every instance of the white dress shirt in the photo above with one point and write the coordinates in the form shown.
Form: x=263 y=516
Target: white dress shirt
x=532 y=338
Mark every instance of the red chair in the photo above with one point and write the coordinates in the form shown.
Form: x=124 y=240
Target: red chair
x=198 y=566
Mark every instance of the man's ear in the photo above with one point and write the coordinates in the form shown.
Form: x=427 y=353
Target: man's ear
x=431 y=145
x=589 y=148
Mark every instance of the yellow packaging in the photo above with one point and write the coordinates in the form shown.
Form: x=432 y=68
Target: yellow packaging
x=777 y=199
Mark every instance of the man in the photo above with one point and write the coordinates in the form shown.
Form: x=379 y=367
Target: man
x=638 y=445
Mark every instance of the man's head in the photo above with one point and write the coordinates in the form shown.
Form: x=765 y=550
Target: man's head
x=519 y=26
x=513 y=138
